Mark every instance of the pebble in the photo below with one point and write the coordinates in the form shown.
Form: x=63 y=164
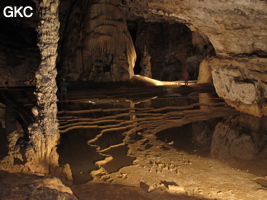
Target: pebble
x=176 y=188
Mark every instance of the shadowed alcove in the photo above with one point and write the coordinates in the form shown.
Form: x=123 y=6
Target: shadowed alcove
x=164 y=49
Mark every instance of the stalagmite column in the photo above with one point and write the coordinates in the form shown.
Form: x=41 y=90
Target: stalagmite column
x=41 y=155
x=146 y=64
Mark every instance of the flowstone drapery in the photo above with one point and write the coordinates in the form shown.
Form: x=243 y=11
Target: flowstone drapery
x=96 y=44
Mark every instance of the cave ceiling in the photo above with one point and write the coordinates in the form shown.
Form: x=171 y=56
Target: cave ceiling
x=233 y=27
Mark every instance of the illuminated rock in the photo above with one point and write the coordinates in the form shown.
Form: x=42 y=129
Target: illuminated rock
x=97 y=45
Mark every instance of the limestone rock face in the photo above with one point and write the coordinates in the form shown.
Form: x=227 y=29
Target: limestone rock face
x=241 y=81
x=97 y=45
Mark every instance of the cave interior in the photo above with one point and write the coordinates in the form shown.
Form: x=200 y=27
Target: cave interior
x=127 y=114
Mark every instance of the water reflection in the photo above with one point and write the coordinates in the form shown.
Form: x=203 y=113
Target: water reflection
x=119 y=158
x=194 y=138
x=96 y=136
x=81 y=157
x=241 y=141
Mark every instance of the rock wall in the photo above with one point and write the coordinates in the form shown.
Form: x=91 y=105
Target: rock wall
x=18 y=66
x=96 y=45
x=242 y=83
x=235 y=29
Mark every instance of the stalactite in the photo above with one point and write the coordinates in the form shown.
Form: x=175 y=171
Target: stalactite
x=44 y=135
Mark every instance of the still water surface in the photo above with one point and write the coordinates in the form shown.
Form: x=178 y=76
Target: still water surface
x=97 y=127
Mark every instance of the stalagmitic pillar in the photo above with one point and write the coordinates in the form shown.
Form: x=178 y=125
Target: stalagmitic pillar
x=44 y=135
x=146 y=64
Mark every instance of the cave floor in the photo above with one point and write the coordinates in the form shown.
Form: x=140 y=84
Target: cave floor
x=137 y=143
x=146 y=143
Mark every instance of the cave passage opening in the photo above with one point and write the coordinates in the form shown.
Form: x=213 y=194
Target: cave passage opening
x=165 y=49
